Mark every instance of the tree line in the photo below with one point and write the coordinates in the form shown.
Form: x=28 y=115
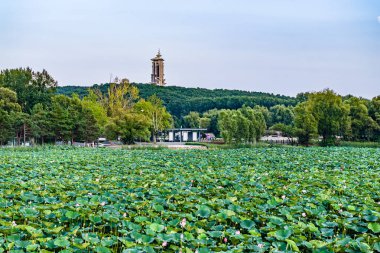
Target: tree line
x=180 y=101
x=322 y=115
x=30 y=109
x=32 y=106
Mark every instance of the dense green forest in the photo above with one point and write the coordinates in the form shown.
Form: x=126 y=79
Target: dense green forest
x=180 y=101
x=33 y=108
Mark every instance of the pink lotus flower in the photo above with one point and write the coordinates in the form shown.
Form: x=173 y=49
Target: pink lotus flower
x=183 y=222
x=237 y=232
x=260 y=245
x=103 y=203
x=303 y=214
x=164 y=244
x=225 y=240
x=283 y=197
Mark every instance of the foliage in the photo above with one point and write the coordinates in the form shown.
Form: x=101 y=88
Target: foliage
x=91 y=103
x=120 y=98
x=124 y=121
x=286 y=130
x=244 y=125
x=243 y=200
x=9 y=109
x=330 y=113
x=362 y=125
x=281 y=114
x=305 y=123
x=192 y=120
x=71 y=120
x=41 y=125
x=31 y=87
x=128 y=128
x=180 y=101
x=157 y=115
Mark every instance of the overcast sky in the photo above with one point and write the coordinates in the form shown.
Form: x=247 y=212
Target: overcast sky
x=276 y=46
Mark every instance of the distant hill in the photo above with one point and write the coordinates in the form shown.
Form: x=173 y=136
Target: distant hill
x=180 y=100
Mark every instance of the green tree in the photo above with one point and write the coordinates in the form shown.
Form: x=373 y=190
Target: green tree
x=88 y=129
x=362 y=125
x=212 y=115
x=91 y=103
x=228 y=125
x=120 y=99
x=286 y=130
x=9 y=111
x=62 y=118
x=205 y=122
x=243 y=125
x=330 y=113
x=40 y=123
x=31 y=87
x=374 y=112
x=192 y=120
x=306 y=126
x=72 y=120
x=256 y=123
x=281 y=114
x=129 y=127
x=159 y=118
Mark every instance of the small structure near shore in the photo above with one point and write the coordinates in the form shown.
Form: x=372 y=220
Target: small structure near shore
x=185 y=134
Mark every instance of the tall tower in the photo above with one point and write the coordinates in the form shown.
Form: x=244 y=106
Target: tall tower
x=157 y=76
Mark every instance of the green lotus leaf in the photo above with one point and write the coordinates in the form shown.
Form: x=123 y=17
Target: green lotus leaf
x=101 y=249
x=156 y=227
x=283 y=234
x=158 y=208
x=204 y=250
x=204 y=212
x=371 y=218
x=247 y=224
x=140 y=219
x=293 y=245
x=376 y=246
x=215 y=234
x=32 y=247
x=81 y=245
x=71 y=215
x=95 y=219
x=375 y=227
x=107 y=242
x=276 y=220
x=61 y=242
x=147 y=239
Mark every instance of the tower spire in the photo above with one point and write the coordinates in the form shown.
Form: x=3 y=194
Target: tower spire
x=157 y=76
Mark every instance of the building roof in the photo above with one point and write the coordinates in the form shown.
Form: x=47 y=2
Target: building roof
x=158 y=57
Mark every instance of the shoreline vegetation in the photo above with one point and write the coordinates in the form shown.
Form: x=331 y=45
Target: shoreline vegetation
x=34 y=110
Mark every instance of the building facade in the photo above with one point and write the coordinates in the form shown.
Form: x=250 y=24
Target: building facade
x=158 y=76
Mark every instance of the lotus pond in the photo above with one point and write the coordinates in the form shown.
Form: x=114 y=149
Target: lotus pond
x=243 y=200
